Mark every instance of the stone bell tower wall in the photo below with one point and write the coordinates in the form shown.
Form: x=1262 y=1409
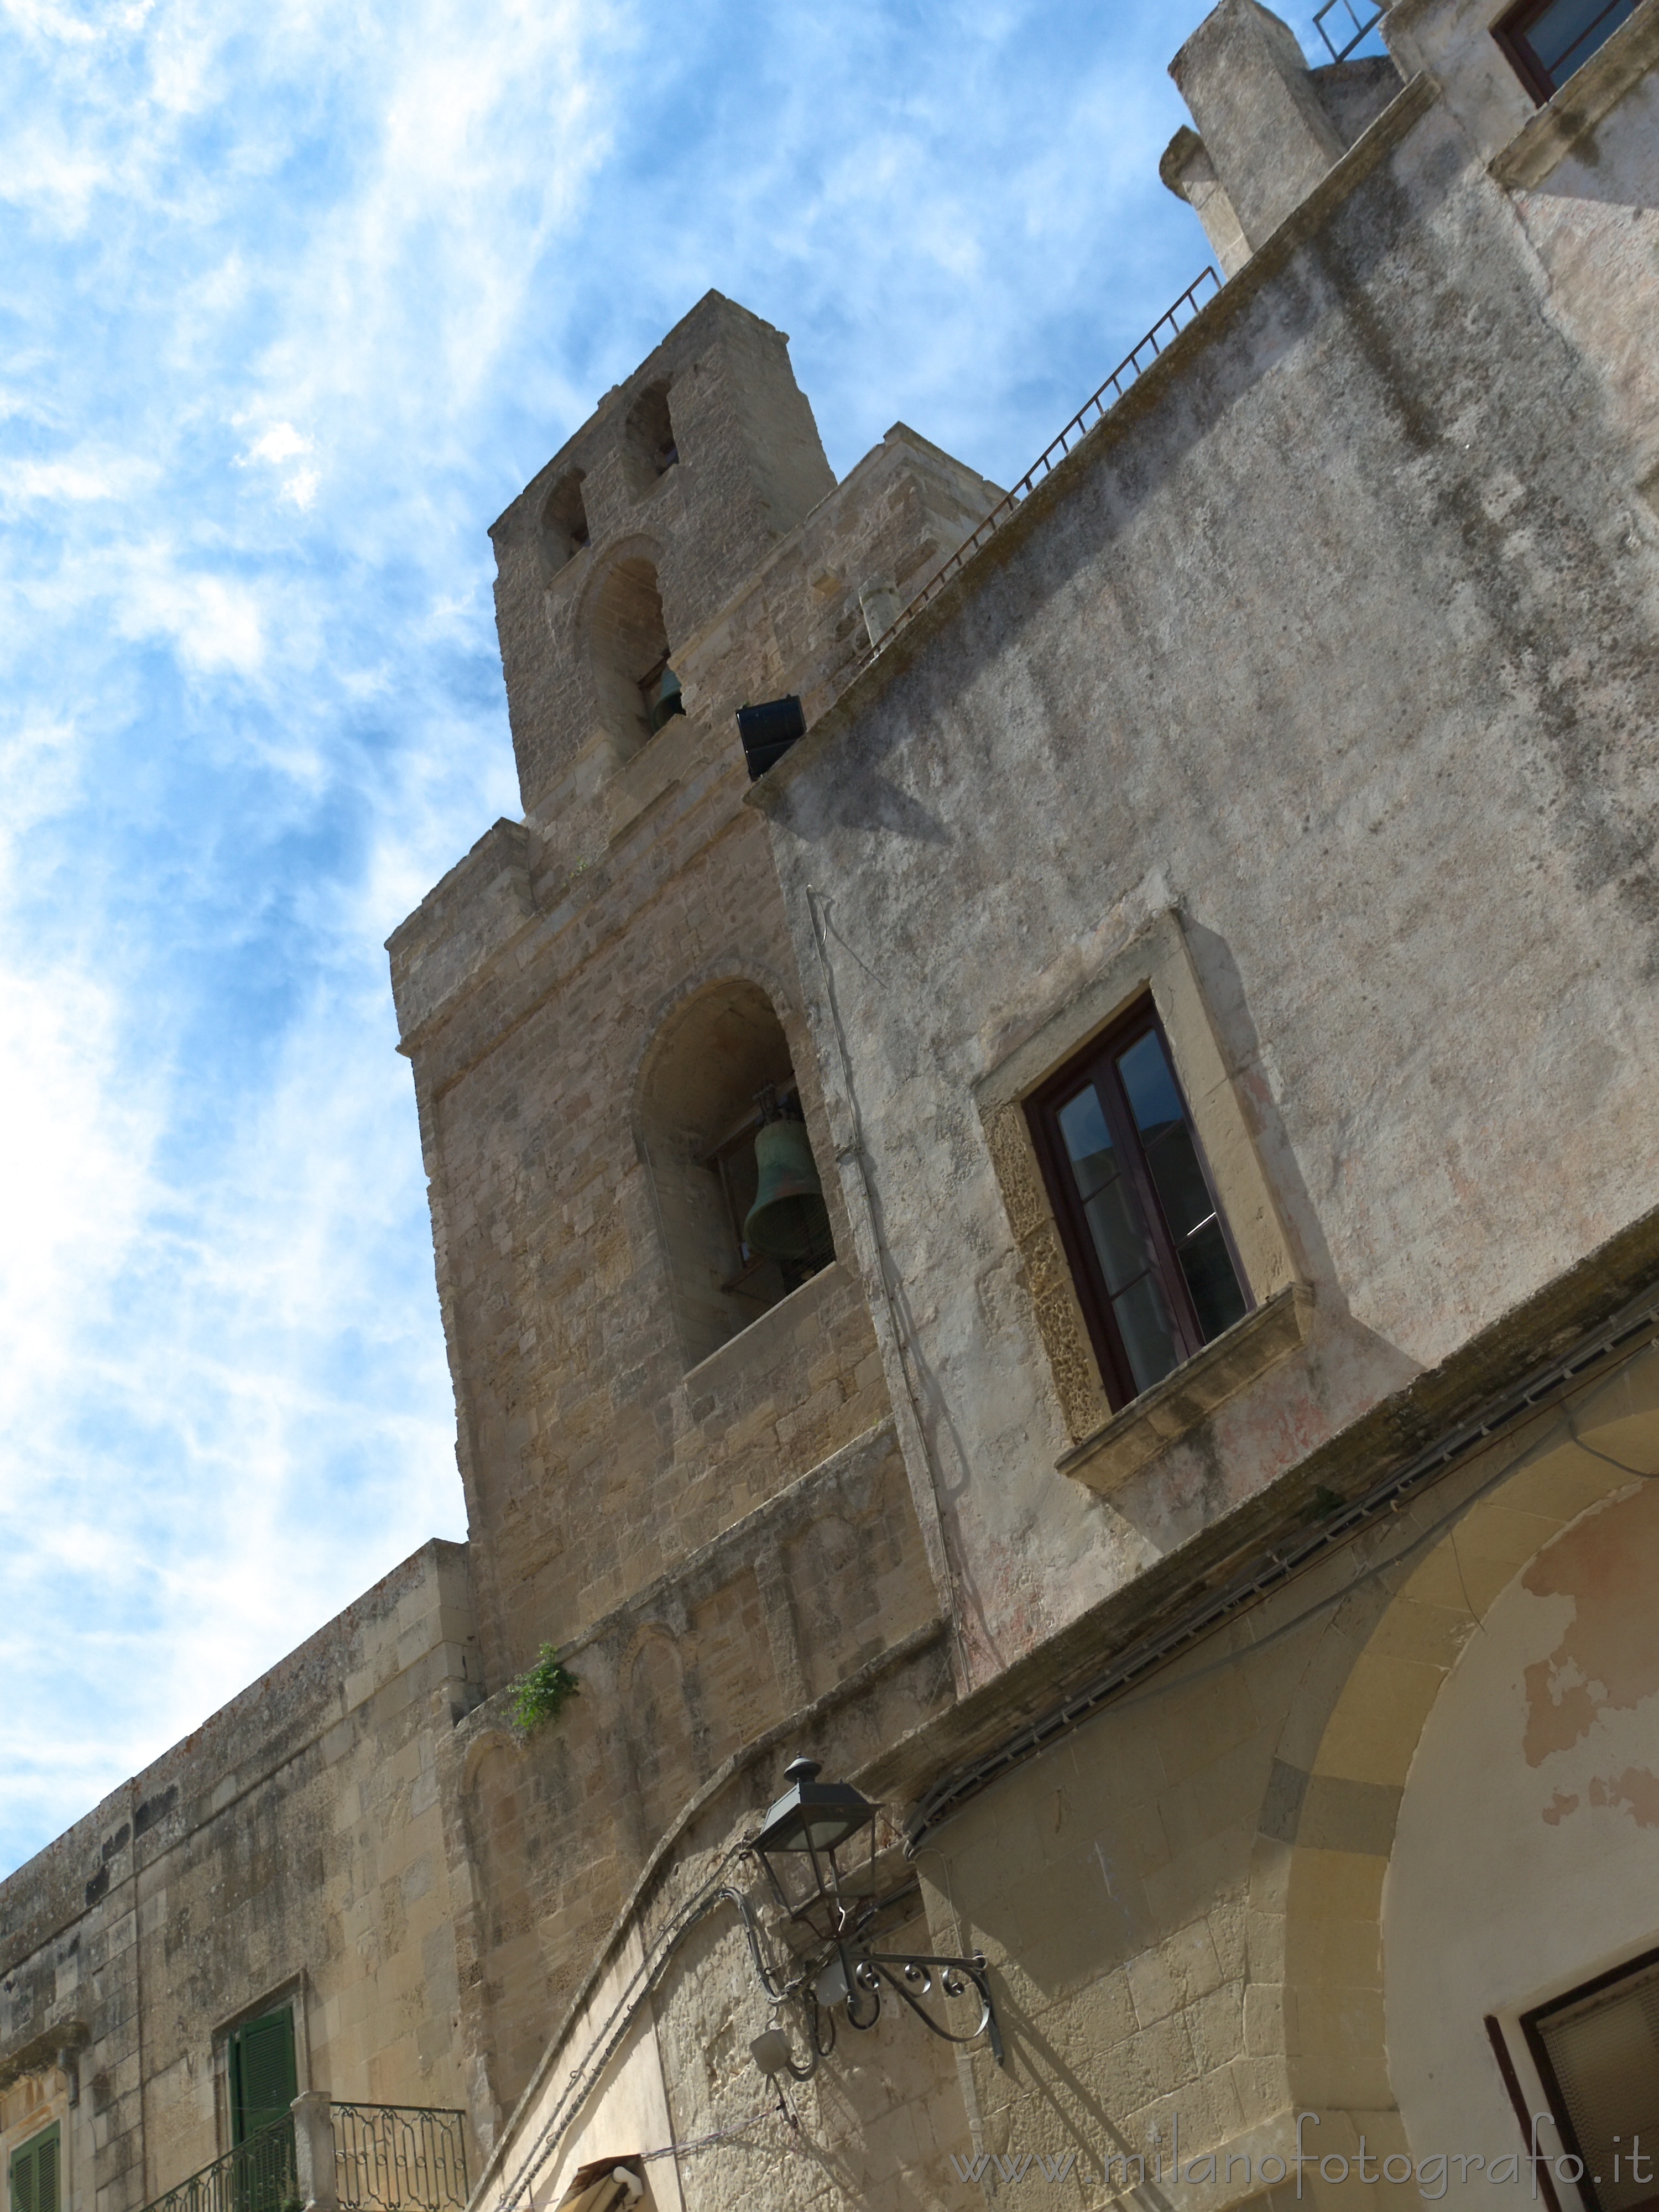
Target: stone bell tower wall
x=612 y=522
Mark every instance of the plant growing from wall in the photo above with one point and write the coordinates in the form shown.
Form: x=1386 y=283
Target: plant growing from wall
x=543 y=1691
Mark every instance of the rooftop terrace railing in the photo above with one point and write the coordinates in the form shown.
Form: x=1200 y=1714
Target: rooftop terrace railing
x=1135 y=362
x=357 y=2158
x=1350 y=20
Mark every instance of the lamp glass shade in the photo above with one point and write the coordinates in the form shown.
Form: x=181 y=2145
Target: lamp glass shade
x=814 y=1815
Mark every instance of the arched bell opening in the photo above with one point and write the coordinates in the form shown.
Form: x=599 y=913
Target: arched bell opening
x=649 y=446
x=638 y=689
x=739 y=1198
x=564 y=524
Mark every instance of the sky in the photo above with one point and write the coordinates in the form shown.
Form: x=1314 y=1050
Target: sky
x=295 y=295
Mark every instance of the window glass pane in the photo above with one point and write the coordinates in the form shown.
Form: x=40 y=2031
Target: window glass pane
x=1604 y=2051
x=1182 y=1189
x=1153 y=1099
x=1143 y=1322
x=1162 y=1121
x=1119 y=1240
x=1569 y=31
x=1088 y=1142
x=1123 y=1249
x=1211 y=1282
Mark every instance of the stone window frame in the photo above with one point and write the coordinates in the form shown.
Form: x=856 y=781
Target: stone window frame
x=563 y=530
x=1568 y=118
x=1510 y=32
x=621 y=604
x=295 y=1992
x=649 y=449
x=1095 y=1069
x=1107 y=1446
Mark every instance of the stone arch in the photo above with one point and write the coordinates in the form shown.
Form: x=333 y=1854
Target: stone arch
x=713 y=1051
x=650 y=444
x=488 y=1740
x=627 y=647
x=1330 y=1919
x=564 y=531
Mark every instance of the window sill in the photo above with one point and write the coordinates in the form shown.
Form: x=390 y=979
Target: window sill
x=1588 y=95
x=1174 y=1407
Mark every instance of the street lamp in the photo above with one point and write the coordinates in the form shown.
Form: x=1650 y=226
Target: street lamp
x=807 y=1846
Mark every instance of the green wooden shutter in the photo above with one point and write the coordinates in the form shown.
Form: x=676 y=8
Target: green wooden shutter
x=46 y=2173
x=35 y=2175
x=263 y=2080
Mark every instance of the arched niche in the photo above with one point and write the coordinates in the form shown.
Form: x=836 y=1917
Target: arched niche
x=1525 y=1866
x=1473 y=1833
x=649 y=446
x=637 y=689
x=564 y=531
x=699 y=1115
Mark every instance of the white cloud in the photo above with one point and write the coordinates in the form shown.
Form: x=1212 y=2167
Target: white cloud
x=303 y=294
x=212 y=621
x=73 y=477
x=281 y=442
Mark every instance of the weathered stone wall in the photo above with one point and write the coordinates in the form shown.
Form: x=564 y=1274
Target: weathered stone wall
x=292 y=1847
x=1236 y=1894
x=1316 y=694
x=1337 y=640
x=750 y=1640
x=540 y=988
x=749 y=467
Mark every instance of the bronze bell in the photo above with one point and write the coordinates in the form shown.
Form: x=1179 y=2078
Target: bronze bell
x=788 y=1220
x=667 y=702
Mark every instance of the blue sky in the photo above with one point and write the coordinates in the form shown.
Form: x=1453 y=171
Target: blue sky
x=296 y=296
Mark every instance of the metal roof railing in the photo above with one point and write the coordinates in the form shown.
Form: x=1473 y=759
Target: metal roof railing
x=1134 y=363
x=1362 y=17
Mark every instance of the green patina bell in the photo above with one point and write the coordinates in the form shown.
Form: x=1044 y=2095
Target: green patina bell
x=788 y=1220
x=667 y=702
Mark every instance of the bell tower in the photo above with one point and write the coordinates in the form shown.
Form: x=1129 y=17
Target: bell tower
x=637 y=532
x=651 y=1320
x=673 y=1422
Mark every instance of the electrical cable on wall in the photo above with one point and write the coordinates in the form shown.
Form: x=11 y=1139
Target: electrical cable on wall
x=885 y=1269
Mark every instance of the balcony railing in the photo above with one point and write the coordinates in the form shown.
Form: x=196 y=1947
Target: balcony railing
x=391 y=2157
x=336 y=2158
x=261 y=2175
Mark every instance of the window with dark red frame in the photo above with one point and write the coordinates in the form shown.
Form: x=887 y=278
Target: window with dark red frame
x=1596 y=2050
x=1154 y=1264
x=1546 y=40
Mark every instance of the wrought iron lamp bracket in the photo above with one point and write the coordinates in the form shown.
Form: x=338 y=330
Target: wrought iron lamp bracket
x=815 y=1820
x=910 y=1977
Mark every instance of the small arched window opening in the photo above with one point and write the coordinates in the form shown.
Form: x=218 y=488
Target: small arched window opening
x=649 y=446
x=638 y=689
x=564 y=522
x=739 y=1198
